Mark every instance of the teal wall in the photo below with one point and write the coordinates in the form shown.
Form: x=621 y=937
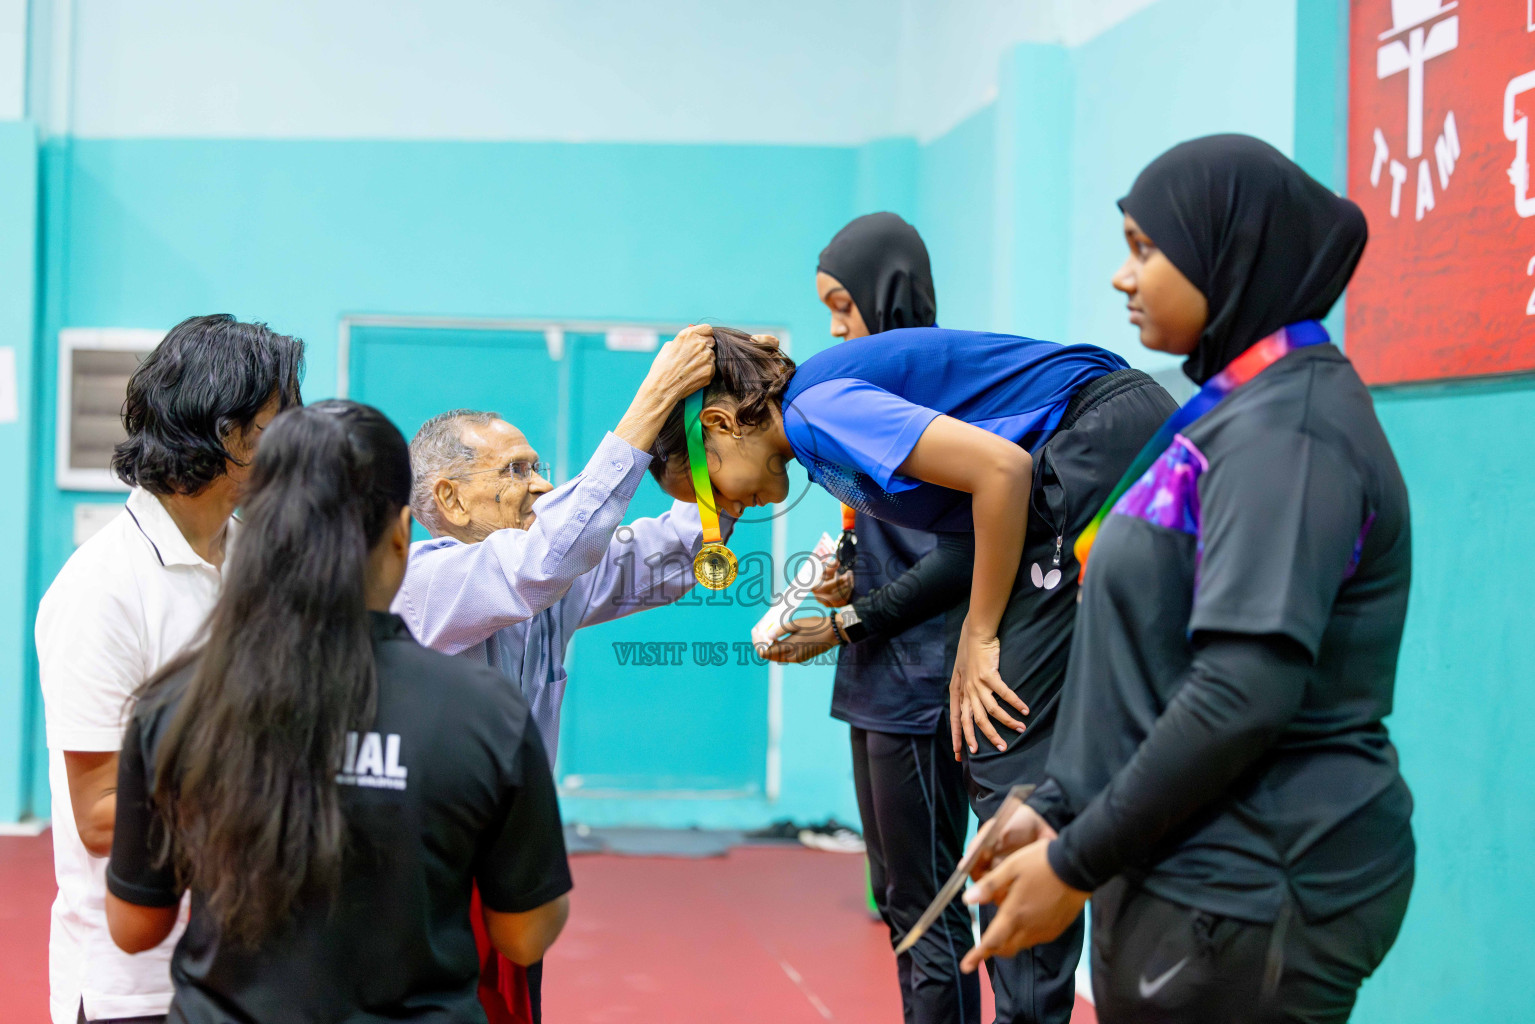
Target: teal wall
x=956 y=214
x=1463 y=695
x=1017 y=202
x=18 y=291
x=1176 y=70
x=299 y=232
x=1031 y=272
x=991 y=202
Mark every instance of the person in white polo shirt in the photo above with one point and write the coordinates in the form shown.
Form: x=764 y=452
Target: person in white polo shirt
x=128 y=601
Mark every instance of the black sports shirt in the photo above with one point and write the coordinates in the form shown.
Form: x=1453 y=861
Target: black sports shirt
x=450 y=787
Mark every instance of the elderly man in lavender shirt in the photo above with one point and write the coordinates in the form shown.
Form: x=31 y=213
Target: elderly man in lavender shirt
x=514 y=565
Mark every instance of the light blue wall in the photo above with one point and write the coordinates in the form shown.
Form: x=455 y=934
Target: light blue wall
x=792 y=71
x=1017 y=203
x=887 y=177
x=18 y=290
x=956 y=214
x=299 y=232
x=1463 y=695
x=1176 y=70
x=1031 y=272
x=991 y=202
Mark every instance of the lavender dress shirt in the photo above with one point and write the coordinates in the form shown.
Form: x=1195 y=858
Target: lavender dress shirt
x=513 y=599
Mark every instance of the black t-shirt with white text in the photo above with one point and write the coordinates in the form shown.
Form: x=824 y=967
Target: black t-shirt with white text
x=450 y=787
x=1281 y=512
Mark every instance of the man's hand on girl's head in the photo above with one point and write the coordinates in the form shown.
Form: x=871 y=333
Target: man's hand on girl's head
x=681 y=367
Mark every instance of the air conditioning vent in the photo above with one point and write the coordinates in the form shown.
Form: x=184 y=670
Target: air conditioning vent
x=94 y=367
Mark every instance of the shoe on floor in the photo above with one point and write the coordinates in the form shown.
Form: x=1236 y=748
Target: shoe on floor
x=833 y=837
x=781 y=831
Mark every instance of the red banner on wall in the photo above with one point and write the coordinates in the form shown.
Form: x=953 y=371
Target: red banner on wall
x=1441 y=144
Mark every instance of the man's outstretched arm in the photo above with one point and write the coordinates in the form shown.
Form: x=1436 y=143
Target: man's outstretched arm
x=455 y=595
x=649 y=563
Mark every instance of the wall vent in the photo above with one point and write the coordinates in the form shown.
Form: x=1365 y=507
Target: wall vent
x=94 y=366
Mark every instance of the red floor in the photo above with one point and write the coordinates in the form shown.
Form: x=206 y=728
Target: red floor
x=26 y=894
x=763 y=936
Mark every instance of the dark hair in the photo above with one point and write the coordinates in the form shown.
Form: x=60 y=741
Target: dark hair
x=245 y=782
x=752 y=375
x=201 y=385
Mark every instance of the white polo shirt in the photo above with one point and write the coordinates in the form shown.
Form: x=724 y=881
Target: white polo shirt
x=127 y=602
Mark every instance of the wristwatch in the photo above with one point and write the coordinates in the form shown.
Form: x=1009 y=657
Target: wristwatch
x=846 y=624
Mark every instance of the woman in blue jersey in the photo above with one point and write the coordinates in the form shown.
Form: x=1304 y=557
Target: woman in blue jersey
x=1005 y=446
x=1222 y=782
x=892 y=687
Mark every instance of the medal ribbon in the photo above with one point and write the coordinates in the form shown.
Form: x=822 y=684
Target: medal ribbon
x=703 y=490
x=1239 y=371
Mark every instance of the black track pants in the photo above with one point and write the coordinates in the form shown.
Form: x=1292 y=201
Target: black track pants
x=1159 y=962
x=1073 y=475
x=1038 y=985
x=536 y=991
x=912 y=801
x=155 y=1019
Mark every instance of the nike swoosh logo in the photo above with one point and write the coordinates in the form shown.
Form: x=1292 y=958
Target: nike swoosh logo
x=1151 y=988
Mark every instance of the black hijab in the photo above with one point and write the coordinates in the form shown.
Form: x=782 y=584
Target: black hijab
x=1267 y=244
x=881 y=261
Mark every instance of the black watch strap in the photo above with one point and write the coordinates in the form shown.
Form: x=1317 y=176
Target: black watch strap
x=849 y=625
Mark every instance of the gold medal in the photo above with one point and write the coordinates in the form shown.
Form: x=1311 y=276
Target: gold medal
x=714 y=566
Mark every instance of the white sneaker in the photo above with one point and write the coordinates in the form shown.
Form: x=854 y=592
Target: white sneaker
x=833 y=837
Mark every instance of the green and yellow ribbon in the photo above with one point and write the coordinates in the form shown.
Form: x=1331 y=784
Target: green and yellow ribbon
x=715 y=565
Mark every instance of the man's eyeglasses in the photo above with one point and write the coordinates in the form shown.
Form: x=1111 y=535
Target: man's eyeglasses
x=521 y=471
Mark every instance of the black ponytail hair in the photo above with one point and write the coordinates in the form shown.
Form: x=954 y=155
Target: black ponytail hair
x=751 y=375
x=245 y=782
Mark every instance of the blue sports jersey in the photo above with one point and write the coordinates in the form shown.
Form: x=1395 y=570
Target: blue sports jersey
x=854 y=412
